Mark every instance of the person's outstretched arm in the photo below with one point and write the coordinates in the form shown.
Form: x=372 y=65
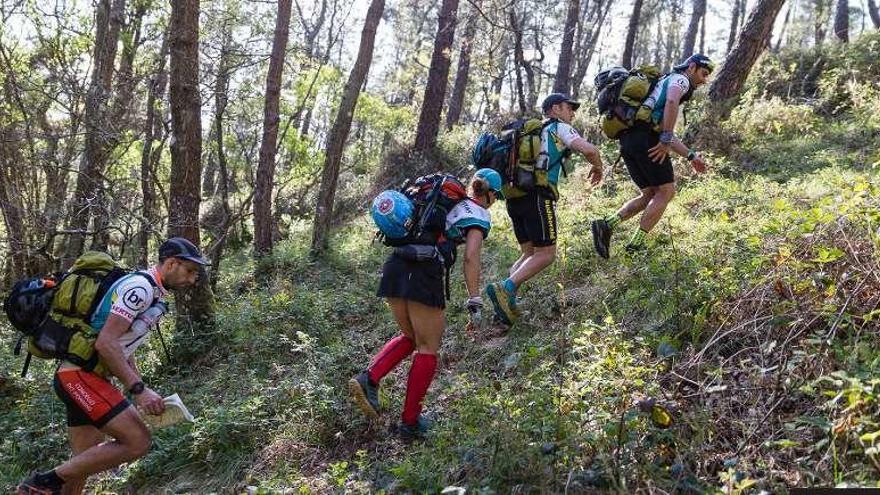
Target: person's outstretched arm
x=591 y=153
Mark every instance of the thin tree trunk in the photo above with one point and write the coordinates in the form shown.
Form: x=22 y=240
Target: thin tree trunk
x=874 y=12
x=221 y=99
x=820 y=11
x=342 y=126
x=108 y=21
x=494 y=104
x=703 y=34
x=152 y=133
x=690 y=38
x=841 y=21
x=266 y=168
x=589 y=48
x=11 y=206
x=459 y=87
x=518 y=61
x=57 y=177
x=784 y=27
x=752 y=42
x=734 y=25
x=529 y=70
x=562 y=82
x=627 y=58
x=438 y=75
x=195 y=305
x=119 y=116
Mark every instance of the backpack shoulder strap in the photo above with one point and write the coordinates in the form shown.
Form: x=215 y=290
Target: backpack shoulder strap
x=151 y=280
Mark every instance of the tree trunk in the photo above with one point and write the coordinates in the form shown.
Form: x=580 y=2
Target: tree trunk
x=690 y=38
x=459 y=88
x=266 y=168
x=438 y=75
x=518 y=61
x=703 y=34
x=108 y=20
x=11 y=206
x=627 y=59
x=529 y=70
x=784 y=27
x=874 y=12
x=562 y=82
x=342 y=126
x=152 y=132
x=221 y=99
x=588 y=47
x=820 y=13
x=841 y=21
x=497 y=84
x=196 y=305
x=752 y=42
x=734 y=25
x=120 y=116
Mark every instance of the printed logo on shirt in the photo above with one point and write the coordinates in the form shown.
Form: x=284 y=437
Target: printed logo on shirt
x=135 y=298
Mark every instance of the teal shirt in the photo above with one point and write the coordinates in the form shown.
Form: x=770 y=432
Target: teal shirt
x=556 y=138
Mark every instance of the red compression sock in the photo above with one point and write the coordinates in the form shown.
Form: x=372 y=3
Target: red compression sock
x=420 y=376
x=394 y=351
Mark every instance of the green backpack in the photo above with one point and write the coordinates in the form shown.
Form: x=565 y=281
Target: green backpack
x=514 y=153
x=54 y=314
x=620 y=94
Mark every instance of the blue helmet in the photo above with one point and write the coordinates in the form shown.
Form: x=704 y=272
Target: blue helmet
x=392 y=212
x=492 y=178
x=484 y=148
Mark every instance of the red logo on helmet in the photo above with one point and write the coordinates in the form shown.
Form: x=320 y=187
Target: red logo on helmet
x=386 y=205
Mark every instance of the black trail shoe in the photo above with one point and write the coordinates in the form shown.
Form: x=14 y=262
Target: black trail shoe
x=408 y=433
x=365 y=394
x=601 y=237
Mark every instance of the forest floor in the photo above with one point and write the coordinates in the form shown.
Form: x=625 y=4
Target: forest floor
x=751 y=321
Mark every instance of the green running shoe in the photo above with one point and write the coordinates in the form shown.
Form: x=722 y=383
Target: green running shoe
x=503 y=302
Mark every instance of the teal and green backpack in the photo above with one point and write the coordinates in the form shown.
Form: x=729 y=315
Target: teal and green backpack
x=620 y=97
x=514 y=154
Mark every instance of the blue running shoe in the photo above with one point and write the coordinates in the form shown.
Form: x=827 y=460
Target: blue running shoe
x=503 y=302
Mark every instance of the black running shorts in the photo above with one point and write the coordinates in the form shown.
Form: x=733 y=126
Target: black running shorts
x=419 y=281
x=634 y=146
x=534 y=219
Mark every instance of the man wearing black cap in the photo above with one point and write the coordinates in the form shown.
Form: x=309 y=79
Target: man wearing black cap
x=96 y=409
x=645 y=150
x=534 y=215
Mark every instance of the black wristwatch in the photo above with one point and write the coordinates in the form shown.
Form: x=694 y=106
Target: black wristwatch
x=137 y=388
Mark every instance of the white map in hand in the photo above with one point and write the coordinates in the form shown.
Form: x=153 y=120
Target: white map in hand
x=175 y=412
